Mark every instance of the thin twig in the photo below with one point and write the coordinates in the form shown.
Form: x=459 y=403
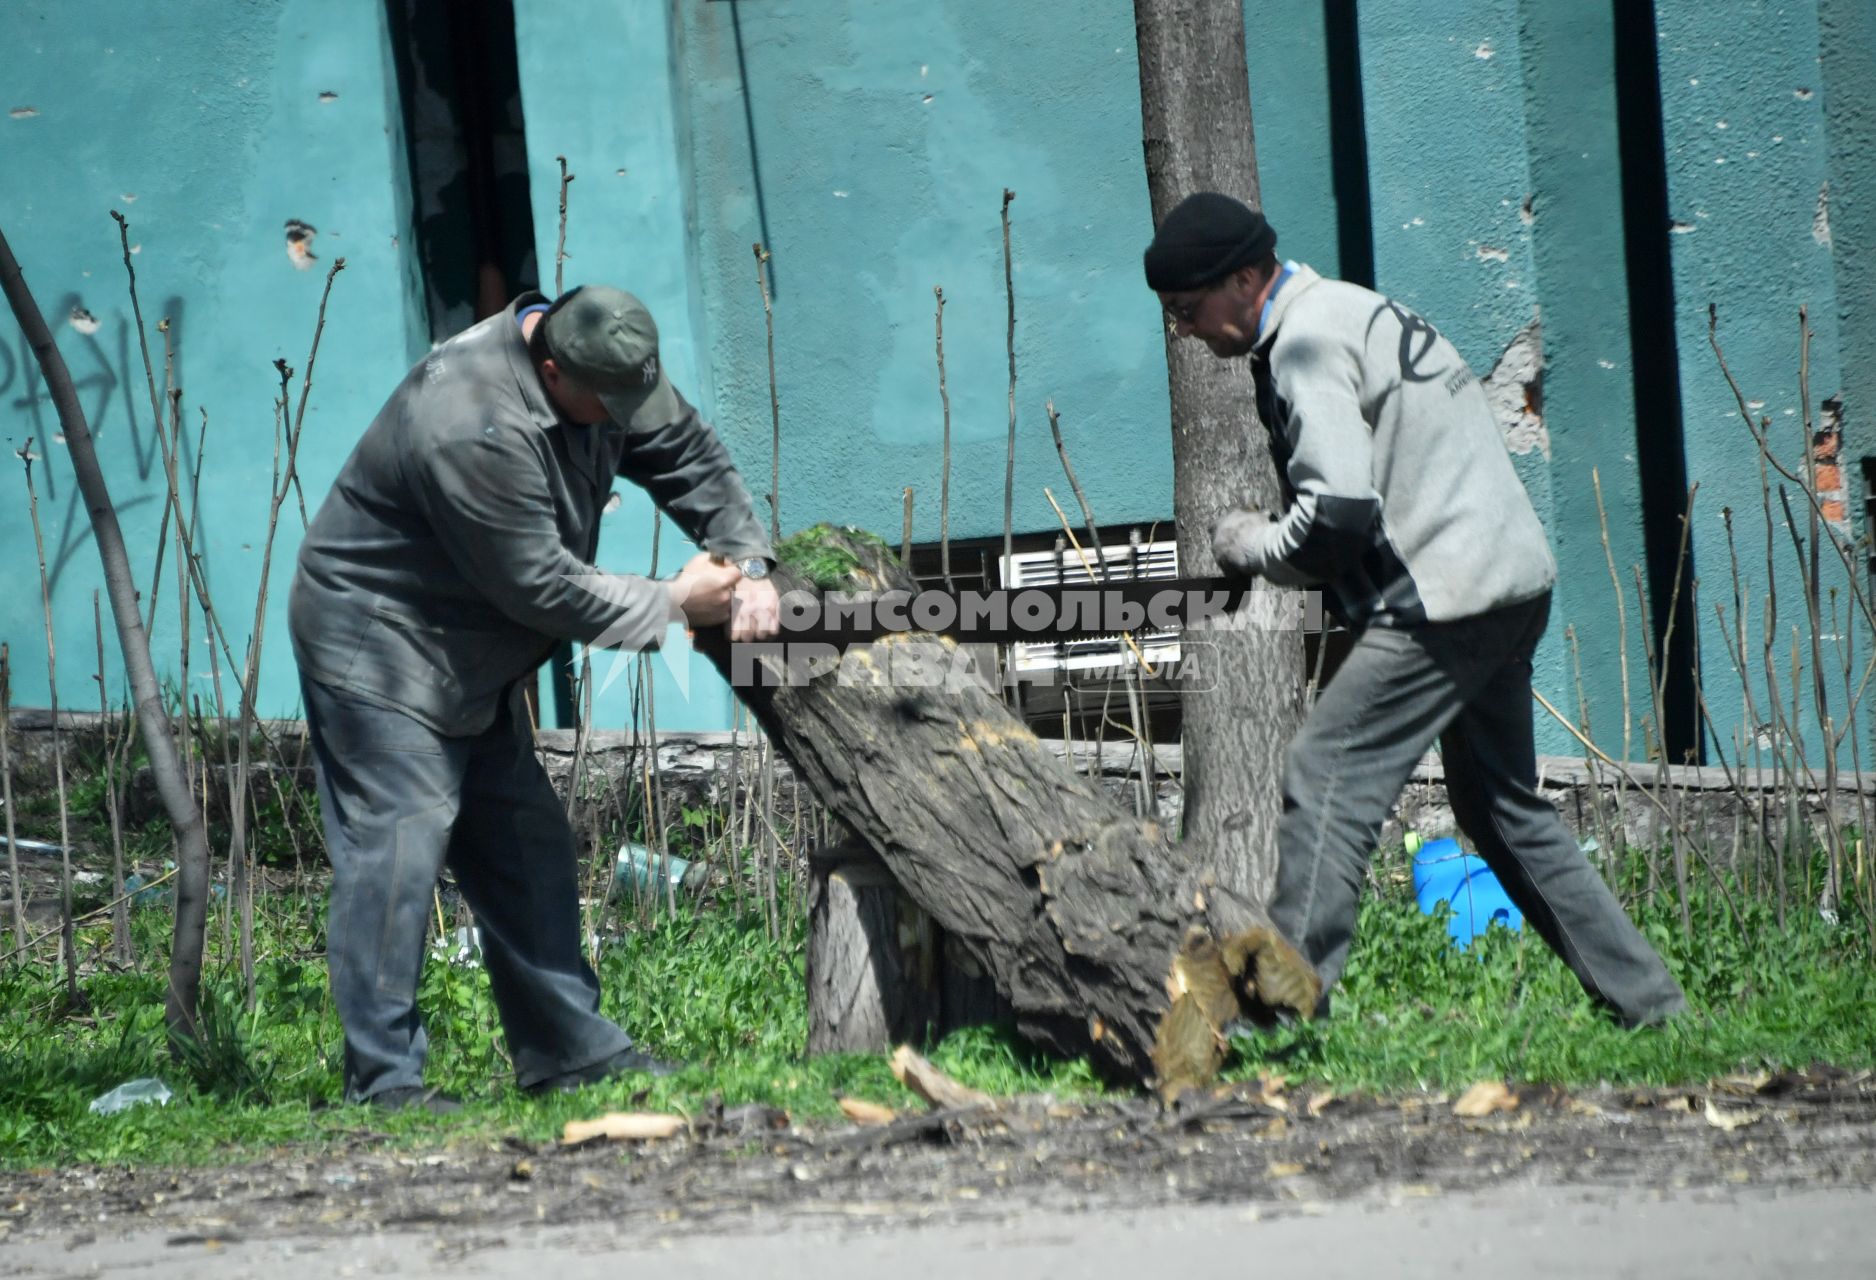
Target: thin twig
x=905 y=536
x=239 y=855
x=1657 y=679
x=1621 y=613
x=560 y=247
x=6 y=792
x=944 y=459
x=1009 y=461
x=1845 y=551
x=68 y=947
x=120 y=920
x=1088 y=568
x=775 y=399
x=1068 y=469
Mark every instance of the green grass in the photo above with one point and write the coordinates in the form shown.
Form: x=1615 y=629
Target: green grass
x=711 y=989
x=1413 y=1012
x=708 y=988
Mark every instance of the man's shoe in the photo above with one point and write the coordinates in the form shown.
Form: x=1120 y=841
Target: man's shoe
x=415 y=1097
x=624 y=1062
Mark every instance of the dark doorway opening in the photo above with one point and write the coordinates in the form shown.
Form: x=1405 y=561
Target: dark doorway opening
x=1660 y=450
x=459 y=84
x=460 y=87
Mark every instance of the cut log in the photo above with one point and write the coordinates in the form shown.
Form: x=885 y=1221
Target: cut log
x=1104 y=936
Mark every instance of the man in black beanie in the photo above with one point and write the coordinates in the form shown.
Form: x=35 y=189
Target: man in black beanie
x=1401 y=505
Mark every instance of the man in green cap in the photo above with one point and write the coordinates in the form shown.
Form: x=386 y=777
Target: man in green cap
x=454 y=553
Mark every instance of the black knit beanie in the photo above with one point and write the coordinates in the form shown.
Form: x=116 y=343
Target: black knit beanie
x=1205 y=238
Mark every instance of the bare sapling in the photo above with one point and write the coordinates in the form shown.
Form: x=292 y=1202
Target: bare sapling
x=133 y=642
x=944 y=456
x=120 y=916
x=68 y=944
x=905 y=536
x=560 y=246
x=286 y=469
x=16 y=894
x=775 y=399
x=1009 y=456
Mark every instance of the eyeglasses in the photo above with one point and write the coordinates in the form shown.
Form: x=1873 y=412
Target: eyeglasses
x=1186 y=310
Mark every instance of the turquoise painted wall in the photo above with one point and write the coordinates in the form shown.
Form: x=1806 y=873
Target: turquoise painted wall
x=1748 y=156
x=882 y=144
x=208 y=125
x=880 y=151
x=1453 y=190
x=616 y=114
x=868 y=146
x=1577 y=249
x=1284 y=42
x=882 y=141
x=1847 y=36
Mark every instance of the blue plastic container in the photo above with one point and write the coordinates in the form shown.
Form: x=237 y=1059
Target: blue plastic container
x=1443 y=872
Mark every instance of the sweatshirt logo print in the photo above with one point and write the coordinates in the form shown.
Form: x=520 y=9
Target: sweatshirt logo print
x=1417 y=339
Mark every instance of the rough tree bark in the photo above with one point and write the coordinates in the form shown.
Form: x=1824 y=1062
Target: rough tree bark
x=185 y=965
x=1245 y=687
x=1102 y=936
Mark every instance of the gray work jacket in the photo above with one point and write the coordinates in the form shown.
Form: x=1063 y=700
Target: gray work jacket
x=456 y=547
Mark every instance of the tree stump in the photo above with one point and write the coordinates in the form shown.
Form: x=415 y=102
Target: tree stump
x=1102 y=935
x=881 y=971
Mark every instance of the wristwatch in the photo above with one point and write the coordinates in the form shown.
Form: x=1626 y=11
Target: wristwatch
x=755 y=567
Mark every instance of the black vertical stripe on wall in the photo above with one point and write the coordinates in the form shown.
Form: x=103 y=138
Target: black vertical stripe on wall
x=1660 y=452
x=1348 y=143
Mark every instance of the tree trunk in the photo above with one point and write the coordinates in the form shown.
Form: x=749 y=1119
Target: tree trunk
x=1245 y=686
x=185 y=965
x=1102 y=936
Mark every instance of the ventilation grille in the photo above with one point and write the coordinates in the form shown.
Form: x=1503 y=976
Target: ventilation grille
x=1147 y=560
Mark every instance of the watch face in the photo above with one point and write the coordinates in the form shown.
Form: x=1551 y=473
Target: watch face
x=755 y=567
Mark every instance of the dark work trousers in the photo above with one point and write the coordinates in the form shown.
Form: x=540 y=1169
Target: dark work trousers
x=399 y=800
x=1468 y=685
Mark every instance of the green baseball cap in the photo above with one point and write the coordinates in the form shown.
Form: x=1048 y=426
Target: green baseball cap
x=605 y=340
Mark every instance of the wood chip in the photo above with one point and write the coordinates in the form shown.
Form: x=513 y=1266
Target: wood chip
x=1727 y=1121
x=1485 y=1098
x=623 y=1126
x=865 y=1113
x=937 y=1089
x=1744 y=1084
x=1283 y=1169
x=1318 y=1101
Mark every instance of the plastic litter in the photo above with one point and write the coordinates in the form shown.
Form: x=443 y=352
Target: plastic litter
x=130 y=1094
x=1443 y=872
x=157 y=892
x=638 y=868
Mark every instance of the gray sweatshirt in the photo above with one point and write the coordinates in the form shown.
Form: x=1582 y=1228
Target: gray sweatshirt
x=1401 y=500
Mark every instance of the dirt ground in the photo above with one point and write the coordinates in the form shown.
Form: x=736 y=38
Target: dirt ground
x=1266 y=1152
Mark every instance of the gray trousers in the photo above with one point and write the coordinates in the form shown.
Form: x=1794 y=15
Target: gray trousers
x=1468 y=685
x=399 y=801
